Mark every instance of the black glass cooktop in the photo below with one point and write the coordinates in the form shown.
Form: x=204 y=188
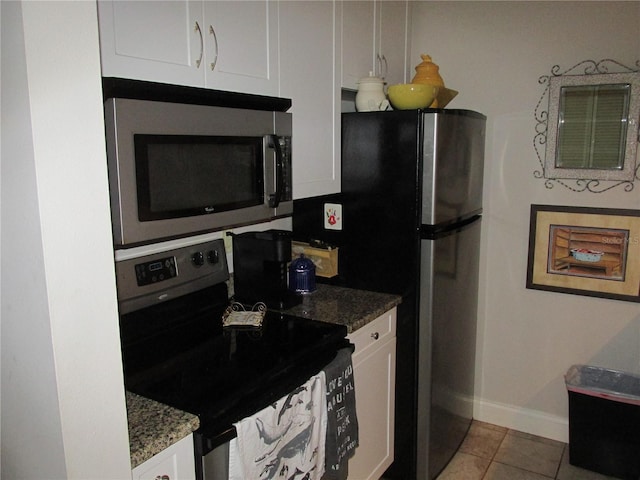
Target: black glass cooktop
x=179 y=354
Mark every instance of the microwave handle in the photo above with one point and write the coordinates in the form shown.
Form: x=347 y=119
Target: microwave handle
x=274 y=198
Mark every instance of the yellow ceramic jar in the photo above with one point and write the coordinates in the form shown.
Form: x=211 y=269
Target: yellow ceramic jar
x=428 y=73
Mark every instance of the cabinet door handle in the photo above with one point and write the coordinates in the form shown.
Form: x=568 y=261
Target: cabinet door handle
x=215 y=44
x=199 y=60
x=375 y=335
x=383 y=60
x=162 y=477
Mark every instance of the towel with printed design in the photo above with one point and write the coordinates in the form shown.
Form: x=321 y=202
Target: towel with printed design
x=285 y=440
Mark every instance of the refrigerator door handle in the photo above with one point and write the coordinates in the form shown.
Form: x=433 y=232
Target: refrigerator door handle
x=430 y=232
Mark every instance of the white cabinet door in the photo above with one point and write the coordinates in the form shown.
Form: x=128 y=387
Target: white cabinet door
x=226 y=45
x=241 y=46
x=393 y=42
x=358 y=41
x=152 y=40
x=374 y=39
x=374 y=368
x=175 y=463
x=310 y=76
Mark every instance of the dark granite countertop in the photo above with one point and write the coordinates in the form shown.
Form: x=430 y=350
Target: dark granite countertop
x=345 y=306
x=154 y=426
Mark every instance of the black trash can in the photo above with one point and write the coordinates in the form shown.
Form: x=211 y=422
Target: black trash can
x=604 y=421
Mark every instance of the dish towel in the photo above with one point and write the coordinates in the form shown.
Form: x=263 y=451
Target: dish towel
x=342 y=422
x=285 y=440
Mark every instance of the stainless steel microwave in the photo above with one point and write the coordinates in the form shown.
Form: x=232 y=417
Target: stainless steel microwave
x=178 y=169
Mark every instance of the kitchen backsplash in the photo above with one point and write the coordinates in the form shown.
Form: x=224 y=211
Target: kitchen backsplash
x=309 y=224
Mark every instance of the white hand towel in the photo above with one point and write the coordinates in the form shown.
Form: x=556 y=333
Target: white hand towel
x=284 y=440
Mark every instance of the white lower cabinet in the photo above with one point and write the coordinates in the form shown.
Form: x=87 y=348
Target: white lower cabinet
x=174 y=463
x=374 y=370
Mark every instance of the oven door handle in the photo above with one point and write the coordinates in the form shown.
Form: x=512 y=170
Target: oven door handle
x=273 y=141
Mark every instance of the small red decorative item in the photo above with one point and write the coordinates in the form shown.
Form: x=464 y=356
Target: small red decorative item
x=331 y=217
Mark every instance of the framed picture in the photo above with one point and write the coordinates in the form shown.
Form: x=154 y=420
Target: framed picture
x=585 y=251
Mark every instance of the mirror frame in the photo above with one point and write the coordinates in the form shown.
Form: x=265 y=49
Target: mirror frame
x=628 y=170
x=545 y=140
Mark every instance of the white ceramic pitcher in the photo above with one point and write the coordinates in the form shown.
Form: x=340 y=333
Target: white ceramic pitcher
x=370 y=96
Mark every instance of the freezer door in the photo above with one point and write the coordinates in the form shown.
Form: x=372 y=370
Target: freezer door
x=453 y=165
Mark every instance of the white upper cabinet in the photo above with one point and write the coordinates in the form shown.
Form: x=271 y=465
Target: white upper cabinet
x=358 y=41
x=392 y=56
x=310 y=76
x=227 y=45
x=152 y=40
x=375 y=39
x=242 y=46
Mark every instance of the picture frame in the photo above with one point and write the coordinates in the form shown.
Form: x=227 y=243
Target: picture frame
x=585 y=251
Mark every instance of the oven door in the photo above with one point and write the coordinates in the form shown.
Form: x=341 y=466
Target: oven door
x=214 y=465
x=211 y=440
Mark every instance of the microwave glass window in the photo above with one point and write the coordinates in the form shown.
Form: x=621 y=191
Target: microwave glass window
x=180 y=176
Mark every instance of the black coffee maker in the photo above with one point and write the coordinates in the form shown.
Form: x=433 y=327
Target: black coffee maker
x=260 y=268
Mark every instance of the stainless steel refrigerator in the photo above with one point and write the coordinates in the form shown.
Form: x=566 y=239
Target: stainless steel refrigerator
x=411 y=213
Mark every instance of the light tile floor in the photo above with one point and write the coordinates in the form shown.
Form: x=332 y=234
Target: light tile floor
x=490 y=452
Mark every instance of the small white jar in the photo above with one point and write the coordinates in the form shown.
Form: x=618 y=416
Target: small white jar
x=370 y=96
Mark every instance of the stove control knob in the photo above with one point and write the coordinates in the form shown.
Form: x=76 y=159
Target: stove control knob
x=198 y=259
x=212 y=256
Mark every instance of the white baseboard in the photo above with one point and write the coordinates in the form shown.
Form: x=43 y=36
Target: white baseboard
x=522 y=419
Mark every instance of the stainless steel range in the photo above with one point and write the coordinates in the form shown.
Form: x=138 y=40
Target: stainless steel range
x=176 y=351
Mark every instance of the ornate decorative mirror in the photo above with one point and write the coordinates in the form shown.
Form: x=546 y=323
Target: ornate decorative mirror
x=590 y=131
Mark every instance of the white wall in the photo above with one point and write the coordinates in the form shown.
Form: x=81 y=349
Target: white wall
x=63 y=407
x=494 y=53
